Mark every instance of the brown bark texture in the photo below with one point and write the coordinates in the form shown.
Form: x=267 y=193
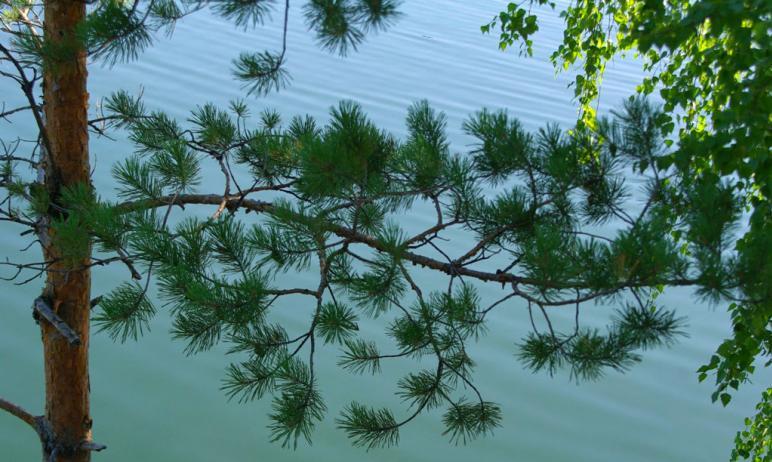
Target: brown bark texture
x=68 y=284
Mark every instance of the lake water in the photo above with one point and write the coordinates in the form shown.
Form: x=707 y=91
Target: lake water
x=150 y=402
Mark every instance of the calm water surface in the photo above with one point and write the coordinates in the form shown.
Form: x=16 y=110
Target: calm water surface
x=152 y=403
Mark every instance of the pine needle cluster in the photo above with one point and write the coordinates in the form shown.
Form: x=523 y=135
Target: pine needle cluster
x=329 y=198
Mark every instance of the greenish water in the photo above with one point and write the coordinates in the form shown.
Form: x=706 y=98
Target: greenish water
x=150 y=402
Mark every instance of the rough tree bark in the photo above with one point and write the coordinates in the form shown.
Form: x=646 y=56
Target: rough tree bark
x=68 y=284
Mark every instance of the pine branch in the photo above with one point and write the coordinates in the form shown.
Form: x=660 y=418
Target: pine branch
x=27 y=87
x=42 y=428
x=448 y=268
x=43 y=309
x=5 y=113
x=20 y=413
x=334 y=191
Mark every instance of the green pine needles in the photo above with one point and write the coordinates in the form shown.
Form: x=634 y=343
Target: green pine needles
x=326 y=201
x=708 y=62
x=118 y=31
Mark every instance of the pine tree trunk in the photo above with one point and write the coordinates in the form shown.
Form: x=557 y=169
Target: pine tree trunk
x=68 y=285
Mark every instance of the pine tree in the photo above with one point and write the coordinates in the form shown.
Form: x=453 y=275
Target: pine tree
x=46 y=47
x=327 y=200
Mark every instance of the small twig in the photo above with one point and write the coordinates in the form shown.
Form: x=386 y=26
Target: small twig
x=5 y=113
x=19 y=412
x=92 y=446
x=227 y=192
x=41 y=307
x=129 y=264
x=27 y=87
